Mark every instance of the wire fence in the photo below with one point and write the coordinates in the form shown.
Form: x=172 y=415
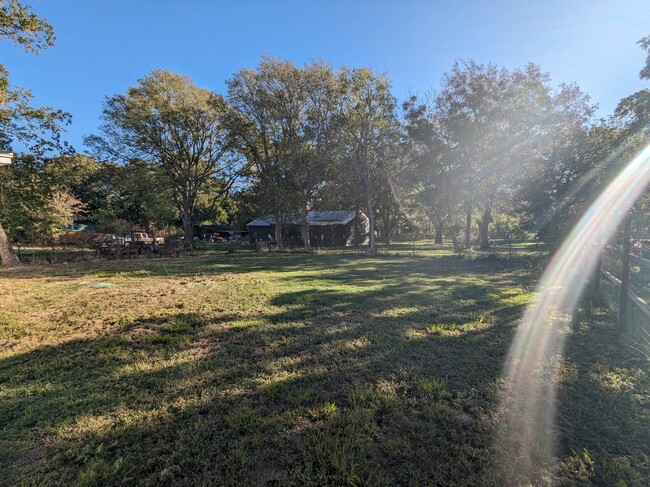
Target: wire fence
x=88 y=246
x=613 y=268
x=501 y=248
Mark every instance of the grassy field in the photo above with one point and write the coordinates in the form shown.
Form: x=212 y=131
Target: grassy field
x=286 y=369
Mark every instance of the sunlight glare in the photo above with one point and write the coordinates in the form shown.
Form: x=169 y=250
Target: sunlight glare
x=527 y=437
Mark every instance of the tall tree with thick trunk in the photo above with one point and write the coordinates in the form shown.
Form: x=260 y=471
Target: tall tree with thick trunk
x=179 y=129
x=263 y=122
x=7 y=254
x=318 y=135
x=433 y=163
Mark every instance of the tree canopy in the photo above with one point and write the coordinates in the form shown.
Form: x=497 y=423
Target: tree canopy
x=492 y=151
x=179 y=129
x=37 y=129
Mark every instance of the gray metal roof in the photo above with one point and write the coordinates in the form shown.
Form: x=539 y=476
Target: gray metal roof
x=313 y=217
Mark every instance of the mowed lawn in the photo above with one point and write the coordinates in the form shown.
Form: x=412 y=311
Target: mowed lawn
x=288 y=369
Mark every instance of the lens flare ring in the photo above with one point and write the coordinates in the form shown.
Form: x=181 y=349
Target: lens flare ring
x=526 y=441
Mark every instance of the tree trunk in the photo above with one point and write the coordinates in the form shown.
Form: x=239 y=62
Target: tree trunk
x=625 y=273
x=278 y=229
x=484 y=228
x=386 y=227
x=468 y=228
x=305 y=229
x=454 y=240
x=188 y=234
x=372 y=244
x=598 y=273
x=438 y=239
x=7 y=255
x=357 y=227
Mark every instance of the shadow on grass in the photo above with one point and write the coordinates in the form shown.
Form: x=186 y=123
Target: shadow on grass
x=356 y=265
x=390 y=376
x=603 y=404
x=187 y=398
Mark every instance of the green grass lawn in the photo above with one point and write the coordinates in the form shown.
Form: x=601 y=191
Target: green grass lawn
x=286 y=369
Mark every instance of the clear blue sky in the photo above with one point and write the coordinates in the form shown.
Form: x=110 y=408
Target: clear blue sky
x=103 y=47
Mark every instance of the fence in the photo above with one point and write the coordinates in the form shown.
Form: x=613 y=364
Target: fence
x=637 y=312
x=501 y=248
x=89 y=245
x=34 y=254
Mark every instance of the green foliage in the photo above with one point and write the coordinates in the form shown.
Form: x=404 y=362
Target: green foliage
x=39 y=129
x=324 y=411
x=36 y=203
x=285 y=120
x=19 y=24
x=504 y=129
x=511 y=225
x=178 y=130
x=132 y=194
x=645 y=45
x=642 y=347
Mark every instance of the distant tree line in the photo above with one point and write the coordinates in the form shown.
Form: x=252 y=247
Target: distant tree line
x=490 y=151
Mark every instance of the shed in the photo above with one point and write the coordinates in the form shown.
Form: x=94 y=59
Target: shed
x=326 y=228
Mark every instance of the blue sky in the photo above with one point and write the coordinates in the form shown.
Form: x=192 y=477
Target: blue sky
x=103 y=47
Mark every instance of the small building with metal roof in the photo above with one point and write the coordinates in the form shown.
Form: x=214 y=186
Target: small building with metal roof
x=326 y=228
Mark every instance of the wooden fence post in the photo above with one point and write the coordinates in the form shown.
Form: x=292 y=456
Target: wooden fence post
x=625 y=273
x=599 y=272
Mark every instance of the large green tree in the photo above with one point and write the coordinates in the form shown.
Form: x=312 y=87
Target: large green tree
x=368 y=135
x=500 y=124
x=435 y=172
x=38 y=129
x=633 y=111
x=285 y=118
x=567 y=179
x=37 y=201
x=179 y=129
x=127 y=196
x=316 y=148
x=644 y=42
x=265 y=103
x=584 y=158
